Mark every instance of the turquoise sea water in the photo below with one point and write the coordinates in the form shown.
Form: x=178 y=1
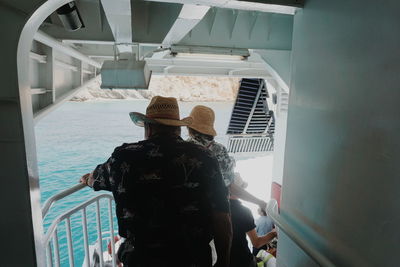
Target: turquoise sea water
x=72 y=140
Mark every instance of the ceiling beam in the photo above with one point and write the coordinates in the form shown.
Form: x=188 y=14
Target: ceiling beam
x=271 y=6
x=118 y=14
x=188 y=18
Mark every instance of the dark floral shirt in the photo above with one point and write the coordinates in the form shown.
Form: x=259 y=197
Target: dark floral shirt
x=165 y=190
x=226 y=162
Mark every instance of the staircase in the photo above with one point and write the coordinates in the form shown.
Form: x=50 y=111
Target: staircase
x=252 y=124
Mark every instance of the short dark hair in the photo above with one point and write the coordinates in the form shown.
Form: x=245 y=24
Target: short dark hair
x=161 y=128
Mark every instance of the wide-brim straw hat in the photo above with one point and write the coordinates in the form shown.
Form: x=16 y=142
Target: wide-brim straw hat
x=203 y=120
x=161 y=110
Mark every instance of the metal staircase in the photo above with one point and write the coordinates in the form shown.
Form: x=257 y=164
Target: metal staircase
x=252 y=124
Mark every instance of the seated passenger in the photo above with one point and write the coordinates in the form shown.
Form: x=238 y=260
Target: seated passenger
x=264 y=225
x=242 y=225
x=170 y=196
x=202 y=132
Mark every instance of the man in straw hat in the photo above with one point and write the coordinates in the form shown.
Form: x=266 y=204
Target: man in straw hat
x=170 y=196
x=202 y=132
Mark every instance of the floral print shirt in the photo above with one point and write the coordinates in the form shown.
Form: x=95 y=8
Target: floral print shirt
x=226 y=162
x=165 y=190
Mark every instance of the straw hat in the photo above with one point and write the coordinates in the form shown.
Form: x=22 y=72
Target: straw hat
x=161 y=110
x=203 y=120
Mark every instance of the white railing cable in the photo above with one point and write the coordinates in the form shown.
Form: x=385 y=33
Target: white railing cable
x=50 y=201
x=283 y=225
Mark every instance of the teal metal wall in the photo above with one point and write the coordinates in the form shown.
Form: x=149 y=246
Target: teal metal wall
x=341 y=180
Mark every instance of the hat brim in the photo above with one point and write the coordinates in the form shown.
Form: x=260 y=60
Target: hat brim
x=203 y=129
x=140 y=119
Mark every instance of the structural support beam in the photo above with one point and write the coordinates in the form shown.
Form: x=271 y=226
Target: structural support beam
x=235 y=16
x=253 y=24
x=43 y=112
x=188 y=18
x=39 y=58
x=50 y=41
x=213 y=17
x=118 y=14
x=282 y=6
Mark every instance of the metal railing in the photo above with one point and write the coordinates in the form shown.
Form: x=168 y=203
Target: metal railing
x=307 y=247
x=249 y=144
x=51 y=237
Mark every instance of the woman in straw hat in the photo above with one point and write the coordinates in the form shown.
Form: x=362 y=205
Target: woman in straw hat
x=202 y=132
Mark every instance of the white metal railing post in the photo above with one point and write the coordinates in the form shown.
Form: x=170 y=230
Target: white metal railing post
x=56 y=249
x=85 y=237
x=49 y=257
x=69 y=241
x=99 y=235
x=52 y=232
x=113 y=255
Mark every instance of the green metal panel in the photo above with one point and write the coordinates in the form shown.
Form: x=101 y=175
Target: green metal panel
x=242 y=29
x=151 y=21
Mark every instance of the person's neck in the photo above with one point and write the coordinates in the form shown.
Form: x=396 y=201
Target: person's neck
x=163 y=134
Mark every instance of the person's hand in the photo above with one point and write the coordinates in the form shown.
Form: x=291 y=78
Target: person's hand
x=274 y=232
x=84 y=179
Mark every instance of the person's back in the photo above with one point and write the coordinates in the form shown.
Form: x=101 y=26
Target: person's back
x=160 y=200
x=242 y=222
x=264 y=224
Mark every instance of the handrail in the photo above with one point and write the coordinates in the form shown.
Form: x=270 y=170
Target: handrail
x=63 y=216
x=272 y=211
x=52 y=233
x=50 y=201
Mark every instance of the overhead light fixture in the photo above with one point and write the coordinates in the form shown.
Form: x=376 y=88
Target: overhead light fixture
x=70 y=17
x=125 y=74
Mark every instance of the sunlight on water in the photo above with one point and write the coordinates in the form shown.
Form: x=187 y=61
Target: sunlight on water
x=72 y=140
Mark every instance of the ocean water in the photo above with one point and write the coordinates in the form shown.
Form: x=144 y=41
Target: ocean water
x=72 y=140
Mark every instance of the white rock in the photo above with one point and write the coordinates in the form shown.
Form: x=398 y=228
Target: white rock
x=184 y=88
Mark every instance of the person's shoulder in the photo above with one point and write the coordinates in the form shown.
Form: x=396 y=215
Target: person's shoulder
x=191 y=146
x=245 y=210
x=218 y=148
x=129 y=147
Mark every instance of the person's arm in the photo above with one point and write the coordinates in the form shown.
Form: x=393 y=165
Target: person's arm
x=222 y=237
x=246 y=196
x=99 y=178
x=259 y=241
